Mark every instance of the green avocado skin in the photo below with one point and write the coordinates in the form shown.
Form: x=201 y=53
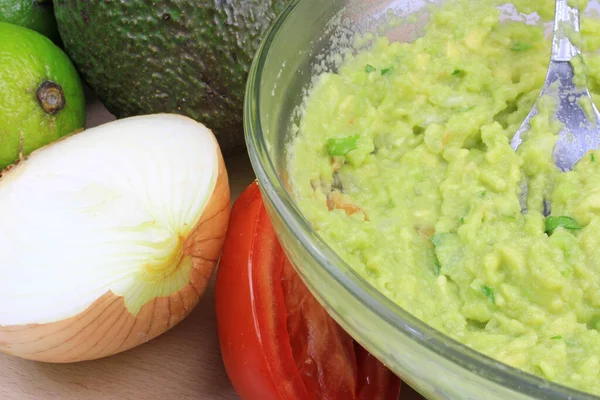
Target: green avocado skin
x=188 y=57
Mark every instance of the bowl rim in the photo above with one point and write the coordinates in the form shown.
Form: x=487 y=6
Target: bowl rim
x=383 y=308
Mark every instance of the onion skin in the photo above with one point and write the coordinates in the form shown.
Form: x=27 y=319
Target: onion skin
x=106 y=327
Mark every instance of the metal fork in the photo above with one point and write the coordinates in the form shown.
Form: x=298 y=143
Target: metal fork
x=579 y=134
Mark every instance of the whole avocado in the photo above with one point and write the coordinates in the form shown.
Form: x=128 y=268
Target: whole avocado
x=183 y=56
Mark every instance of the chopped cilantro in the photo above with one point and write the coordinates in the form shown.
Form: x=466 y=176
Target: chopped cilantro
x=489 y=293
x=462 y=220
x=342 y=146
x=566 y=222
x=436 y=267
x=484 y=193
x=436 y=239
x=592 y=157
x=520 y=46
x=457 y=72
x=369 y=68
x=557 y=337
x=387 y=70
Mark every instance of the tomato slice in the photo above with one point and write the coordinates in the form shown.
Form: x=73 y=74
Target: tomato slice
x=277 y=341
x=375 y=381
x=323 y=352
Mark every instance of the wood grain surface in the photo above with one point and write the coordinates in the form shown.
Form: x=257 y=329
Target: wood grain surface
x=183 y=363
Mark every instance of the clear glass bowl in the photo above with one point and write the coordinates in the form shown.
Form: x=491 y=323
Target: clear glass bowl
x=432 y=363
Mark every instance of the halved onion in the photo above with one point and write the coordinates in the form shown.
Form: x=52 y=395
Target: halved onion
x=108 y=238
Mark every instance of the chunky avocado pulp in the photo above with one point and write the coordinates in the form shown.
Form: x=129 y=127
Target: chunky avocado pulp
x=416 y=186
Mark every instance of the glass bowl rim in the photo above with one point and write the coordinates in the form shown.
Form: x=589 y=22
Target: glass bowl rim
x=383 y=308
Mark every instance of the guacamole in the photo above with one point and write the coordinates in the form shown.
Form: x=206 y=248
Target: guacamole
x=403 y=164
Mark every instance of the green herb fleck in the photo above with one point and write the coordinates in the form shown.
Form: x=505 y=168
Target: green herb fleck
x=387 y=70
x=489 y=293
x=342 y=146
x=457 y=72
x=436 y=267
x=520 y=46
x=369 y=68
x=592 y=157
x=557 y=337
x=462 y=220
x=484 y=193
x=568 y=272
x=566 y=222
x=436 y=239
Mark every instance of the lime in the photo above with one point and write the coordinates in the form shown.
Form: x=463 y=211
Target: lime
x=41 y=95
x=33 y=14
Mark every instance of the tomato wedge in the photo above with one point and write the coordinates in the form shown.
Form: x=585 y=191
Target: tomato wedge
x=277 y=341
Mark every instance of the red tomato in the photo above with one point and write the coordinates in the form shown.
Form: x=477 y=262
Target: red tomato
x=277 y=341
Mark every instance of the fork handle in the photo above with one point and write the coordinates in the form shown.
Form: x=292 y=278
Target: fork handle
x=564 y=17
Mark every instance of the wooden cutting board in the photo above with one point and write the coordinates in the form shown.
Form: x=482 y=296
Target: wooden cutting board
x=184 y=363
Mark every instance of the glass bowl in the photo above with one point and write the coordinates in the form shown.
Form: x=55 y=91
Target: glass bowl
x=297 y=45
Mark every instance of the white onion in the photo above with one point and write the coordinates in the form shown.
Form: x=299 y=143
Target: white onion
x=108 y=237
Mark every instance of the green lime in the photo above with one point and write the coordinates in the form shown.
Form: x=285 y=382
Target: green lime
x=33 y=14
x=41 y=95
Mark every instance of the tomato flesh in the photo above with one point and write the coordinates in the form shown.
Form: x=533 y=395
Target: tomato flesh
x=323 y=352
x=375 y=381
x=277 y=341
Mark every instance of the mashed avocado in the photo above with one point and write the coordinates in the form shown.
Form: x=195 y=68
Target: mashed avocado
x=403 y=165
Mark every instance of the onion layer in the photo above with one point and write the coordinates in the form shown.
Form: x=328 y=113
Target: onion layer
x=108 y=237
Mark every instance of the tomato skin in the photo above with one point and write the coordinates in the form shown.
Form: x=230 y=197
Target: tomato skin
x=243 y=351
x=277 y=341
